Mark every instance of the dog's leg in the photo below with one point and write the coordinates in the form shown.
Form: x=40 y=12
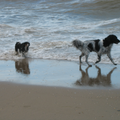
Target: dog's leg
x=99 y=59
x=16 y=53
x=109 y=56
x=23 y=54
x=87 y=61
x=82 y=54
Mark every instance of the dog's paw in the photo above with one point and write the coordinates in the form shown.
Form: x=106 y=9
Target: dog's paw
x=80 y=62
x=90 y=65
x=97 y=62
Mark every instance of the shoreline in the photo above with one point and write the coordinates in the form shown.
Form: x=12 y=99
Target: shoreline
x=60 y=73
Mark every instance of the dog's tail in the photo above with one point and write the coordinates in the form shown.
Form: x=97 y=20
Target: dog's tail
x=77 y=43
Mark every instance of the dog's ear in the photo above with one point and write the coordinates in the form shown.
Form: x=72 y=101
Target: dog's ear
x=114 y=39
x=28 y=44
x=109 y=40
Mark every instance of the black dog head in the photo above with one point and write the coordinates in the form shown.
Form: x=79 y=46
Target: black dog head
x=110 y=40
x=25 y=46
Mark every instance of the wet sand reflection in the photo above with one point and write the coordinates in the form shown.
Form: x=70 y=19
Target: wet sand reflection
x=22 y=66
x=100 y=80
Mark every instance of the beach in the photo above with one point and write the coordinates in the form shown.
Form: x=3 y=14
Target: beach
x=81 y=99
x=49 y=83
x=53 y=103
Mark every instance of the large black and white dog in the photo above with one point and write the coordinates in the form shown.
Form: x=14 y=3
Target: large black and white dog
x=22 y=47
x=99 y=46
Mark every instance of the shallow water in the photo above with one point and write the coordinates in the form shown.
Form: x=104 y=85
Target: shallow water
x=51 y=25
x=60 y=74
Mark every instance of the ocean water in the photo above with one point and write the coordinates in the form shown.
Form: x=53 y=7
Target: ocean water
x=51 y=25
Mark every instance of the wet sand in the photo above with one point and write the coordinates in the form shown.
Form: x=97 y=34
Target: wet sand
x=86 y=97
x=60 y=73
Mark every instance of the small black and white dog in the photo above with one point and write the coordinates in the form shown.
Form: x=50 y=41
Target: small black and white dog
x=22 y=47
x=99 y=46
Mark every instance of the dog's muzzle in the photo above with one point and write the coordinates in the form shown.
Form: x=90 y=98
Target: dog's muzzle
x=118 y=41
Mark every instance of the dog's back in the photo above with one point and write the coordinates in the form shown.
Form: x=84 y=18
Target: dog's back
x=91 y=45
x=94 y=45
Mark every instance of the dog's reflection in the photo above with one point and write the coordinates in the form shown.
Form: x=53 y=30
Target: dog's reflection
x=22 y=66
x=102 y=80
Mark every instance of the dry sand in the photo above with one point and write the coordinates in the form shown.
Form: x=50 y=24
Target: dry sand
x=31 y=102
x=22 y=102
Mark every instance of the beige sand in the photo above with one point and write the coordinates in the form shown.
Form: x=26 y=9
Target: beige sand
x=22 y=102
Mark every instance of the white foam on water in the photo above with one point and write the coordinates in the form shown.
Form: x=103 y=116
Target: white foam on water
x=50 y=27
x=58 y=50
